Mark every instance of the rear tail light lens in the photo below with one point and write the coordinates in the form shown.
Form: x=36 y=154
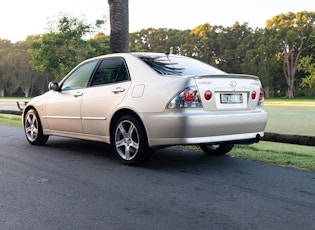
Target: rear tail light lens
x=260 y=98
x=261 y=95
x=189 y=94
x=188 y=98
x=208 y=95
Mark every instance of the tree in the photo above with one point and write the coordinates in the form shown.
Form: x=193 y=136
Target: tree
x=235 y=42
x=13 y=61
x=98 y=45
x=157 y=40
x=5 y=46
x=61 y=49
x=295 y=33
x=260 y=60
x=307 y=65
x=201 y=38
x=119 y=26
x=17 y=70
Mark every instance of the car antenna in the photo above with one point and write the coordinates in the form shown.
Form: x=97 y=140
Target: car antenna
x=167 y=55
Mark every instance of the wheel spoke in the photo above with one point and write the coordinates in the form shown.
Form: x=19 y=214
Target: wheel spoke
x=130 y=131
x=28 y=129
x=34 y=132
x=120 y=143
x=127 y=153
x=122 y=130
x=134 y=145
x=29 y=120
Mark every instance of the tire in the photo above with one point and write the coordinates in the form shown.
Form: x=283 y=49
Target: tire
x=33 y=128
x=217 y=150
x=129 y=141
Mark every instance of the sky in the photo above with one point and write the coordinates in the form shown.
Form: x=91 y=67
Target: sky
x=21 y=18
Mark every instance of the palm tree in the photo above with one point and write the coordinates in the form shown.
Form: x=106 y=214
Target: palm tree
x=119 y=25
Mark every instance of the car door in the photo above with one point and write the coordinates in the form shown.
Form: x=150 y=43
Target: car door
x=64 y=106
x=107 y=89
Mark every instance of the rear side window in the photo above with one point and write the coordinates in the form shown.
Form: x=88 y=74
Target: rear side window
x=111 y=70
x=178 y=65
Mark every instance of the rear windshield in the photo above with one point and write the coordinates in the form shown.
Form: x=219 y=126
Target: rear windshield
x=178 y=65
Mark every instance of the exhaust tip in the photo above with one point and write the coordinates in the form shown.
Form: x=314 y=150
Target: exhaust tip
x=258 y=138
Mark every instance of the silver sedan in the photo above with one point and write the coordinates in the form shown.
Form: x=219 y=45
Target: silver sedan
x=139 y=102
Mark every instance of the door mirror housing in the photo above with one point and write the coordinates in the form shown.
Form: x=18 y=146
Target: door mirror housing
x=53 y=86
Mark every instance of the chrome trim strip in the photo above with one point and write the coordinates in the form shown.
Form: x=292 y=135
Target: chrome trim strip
x=94 y=118
x=77 y=118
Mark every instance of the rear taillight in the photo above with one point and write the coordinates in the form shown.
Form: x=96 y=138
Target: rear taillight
x=261 y=98
x=261 y=95
x=208 y=95
x=189 y=94
x=188 y=98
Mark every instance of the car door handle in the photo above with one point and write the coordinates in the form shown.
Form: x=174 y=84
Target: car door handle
x=118 y=90
x=78 y=94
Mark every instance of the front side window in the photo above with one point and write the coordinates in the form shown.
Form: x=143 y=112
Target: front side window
x=111 y=70
x=80 y=77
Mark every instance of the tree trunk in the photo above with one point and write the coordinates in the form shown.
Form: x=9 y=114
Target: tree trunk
x=290 y=90
x=290 y=139
x=288 y=71
x=12 y=112
x=119 y=26
x=26 y=91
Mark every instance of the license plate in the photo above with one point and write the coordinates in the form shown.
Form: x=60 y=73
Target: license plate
x=231 y=98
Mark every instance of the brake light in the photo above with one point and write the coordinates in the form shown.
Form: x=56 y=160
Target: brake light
x=188 y=98
x=261 y=95
x=208 y=95
x=188 y=94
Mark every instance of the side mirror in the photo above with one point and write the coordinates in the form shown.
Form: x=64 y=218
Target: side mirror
x=53 y=86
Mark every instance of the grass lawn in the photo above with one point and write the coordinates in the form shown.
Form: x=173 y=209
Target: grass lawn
x=298 y=156
x=291 y=116
x=286 y=116
x=13 y=120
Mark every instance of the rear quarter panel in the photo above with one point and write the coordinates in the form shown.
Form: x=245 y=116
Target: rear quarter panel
x=150 y=91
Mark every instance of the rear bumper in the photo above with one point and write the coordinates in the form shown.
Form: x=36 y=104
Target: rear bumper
x=199 y=127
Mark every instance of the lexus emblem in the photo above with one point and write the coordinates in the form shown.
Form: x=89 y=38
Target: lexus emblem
x=233 y=84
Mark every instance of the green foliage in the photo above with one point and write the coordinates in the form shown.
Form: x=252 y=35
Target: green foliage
x=307 y=65
x=294 y=33
x=16 y=69
x=61 y=49
x=261 y=61
x=54 y=53
x=157 y=40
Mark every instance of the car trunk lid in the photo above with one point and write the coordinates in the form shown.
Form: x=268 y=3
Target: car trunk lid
x=229 y=92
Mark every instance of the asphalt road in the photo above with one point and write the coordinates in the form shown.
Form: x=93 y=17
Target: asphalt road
x=73 y=184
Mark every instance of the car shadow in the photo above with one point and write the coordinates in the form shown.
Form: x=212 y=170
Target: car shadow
x=182 y=158
x=81 y=147
x=170 y=158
